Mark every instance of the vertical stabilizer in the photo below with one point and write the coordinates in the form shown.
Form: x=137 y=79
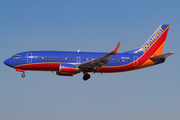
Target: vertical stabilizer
x=154 y=45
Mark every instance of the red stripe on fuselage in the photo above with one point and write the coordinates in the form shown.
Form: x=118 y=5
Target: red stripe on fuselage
x=40 y=66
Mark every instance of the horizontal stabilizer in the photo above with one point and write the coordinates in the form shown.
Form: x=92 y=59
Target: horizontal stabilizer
x=161 y=56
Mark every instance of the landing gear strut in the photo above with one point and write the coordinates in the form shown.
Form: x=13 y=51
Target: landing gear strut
x=23 y=75
x=86 y=76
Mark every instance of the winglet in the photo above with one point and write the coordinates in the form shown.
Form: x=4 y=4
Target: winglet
x=115 y=49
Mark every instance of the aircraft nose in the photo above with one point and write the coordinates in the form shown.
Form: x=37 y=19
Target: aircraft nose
x=7 y=62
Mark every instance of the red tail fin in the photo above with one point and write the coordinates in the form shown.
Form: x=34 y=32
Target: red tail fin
x=154 y=45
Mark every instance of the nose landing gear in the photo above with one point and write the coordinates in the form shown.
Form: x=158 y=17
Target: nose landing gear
x=23 y=75
x=20 y=70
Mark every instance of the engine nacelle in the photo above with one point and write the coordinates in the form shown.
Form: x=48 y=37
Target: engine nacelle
x=67 y=70
x=63 y=74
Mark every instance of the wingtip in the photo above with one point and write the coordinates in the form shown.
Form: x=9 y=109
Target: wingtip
x=116 y=48
x=119 y=43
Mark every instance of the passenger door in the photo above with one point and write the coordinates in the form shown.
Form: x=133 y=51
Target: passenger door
x=135 y=58
x=29 y=57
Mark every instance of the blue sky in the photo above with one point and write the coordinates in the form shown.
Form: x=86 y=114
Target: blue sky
x=94 y=26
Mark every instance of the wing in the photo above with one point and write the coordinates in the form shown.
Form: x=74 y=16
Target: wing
x=98 y=62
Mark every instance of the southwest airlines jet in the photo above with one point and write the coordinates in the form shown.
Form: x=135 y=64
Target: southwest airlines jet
x=71 y=63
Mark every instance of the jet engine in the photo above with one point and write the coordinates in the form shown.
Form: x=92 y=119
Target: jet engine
x=67 y=70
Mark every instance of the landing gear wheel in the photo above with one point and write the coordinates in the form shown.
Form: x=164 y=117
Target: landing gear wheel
x=86 y=77
x=23 y=75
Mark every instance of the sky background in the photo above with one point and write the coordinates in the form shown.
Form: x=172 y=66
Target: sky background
x=92 y=26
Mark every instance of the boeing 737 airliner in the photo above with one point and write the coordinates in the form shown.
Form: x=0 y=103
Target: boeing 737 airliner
x=71 y=63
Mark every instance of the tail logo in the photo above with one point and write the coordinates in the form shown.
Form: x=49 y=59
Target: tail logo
x=153 y=38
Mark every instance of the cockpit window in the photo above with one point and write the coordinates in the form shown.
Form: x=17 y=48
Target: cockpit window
x=16 y=56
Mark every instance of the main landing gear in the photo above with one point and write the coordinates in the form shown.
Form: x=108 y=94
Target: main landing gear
x=86 y=76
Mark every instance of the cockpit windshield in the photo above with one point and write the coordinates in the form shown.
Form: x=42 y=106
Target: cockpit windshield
x=16 y=56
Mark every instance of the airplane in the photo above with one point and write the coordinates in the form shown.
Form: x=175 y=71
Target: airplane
x=70 y=63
